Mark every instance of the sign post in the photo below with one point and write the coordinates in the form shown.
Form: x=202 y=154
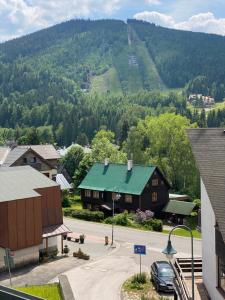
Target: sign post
x=9 y=263
x=141 y=250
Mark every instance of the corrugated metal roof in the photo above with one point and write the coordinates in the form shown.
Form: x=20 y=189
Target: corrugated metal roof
x=178 y=197
x=179 y=207
x=116 y=177
x=208 y=146
x=64 y=184
x=21 y=182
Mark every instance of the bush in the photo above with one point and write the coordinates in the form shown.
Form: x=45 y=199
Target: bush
x=139 y=278
x=66 y=202
x=85 y=214
x=68 y=212
x=142 y=216
x=119 y=219
x=153 y=224
x=81 y=255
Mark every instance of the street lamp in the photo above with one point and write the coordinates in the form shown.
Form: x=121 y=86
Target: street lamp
x=170 y=251
x=117 y=197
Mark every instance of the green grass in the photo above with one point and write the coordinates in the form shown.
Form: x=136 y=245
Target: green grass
x=183 y=232
x=106 y=82
x=48 y=292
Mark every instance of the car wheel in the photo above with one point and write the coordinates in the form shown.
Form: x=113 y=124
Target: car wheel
x=157 y=288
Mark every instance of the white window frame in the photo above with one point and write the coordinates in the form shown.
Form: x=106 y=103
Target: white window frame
x=96 y=194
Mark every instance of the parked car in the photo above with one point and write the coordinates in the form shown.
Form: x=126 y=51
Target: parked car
x=162 y=275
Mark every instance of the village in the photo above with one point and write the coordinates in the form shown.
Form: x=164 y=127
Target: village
x=116 y=207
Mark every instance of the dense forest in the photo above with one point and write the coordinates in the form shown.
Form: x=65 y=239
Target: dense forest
x=70 y=80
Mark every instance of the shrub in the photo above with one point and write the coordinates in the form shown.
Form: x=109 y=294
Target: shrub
x=154 y=224
x=66 y=202
x=81 y=255
x=139 y=278
x=119 y=219
x=85 y=214
x=142 y=216
x=68 y=212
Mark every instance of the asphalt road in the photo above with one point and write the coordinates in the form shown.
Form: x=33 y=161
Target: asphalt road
x=153 y=240
x=102 y=279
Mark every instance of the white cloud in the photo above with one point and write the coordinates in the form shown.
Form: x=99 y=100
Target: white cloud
x=18 y=17
x=203 y=22
x=153 y=2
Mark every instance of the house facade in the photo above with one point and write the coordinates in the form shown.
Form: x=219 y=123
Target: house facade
x=30 y=214
x=43 y=158
x=139 y=187
x=208 y=146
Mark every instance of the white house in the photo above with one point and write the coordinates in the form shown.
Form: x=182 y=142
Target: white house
x=208 y=147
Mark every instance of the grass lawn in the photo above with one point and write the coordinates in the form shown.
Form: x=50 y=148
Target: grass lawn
x=48 y=292
x=183 y=232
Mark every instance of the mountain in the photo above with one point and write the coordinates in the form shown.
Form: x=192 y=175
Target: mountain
x=73 y=78
x=111 y=55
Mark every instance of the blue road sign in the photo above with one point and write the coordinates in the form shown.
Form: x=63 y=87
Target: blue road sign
x=140 y=249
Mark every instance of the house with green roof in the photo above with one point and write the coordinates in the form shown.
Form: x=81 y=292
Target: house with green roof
x=138 y=187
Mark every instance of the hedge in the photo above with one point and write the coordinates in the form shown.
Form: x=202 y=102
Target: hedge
x=154 y=224
x=84 y=214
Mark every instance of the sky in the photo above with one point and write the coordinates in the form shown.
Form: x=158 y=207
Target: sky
x=20 y=17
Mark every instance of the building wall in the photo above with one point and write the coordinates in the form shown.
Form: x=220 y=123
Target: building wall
x=39 y=165
x=21 y=257
x=209 y=258
x=21 y=223
x=51 y=206
x=162 y=191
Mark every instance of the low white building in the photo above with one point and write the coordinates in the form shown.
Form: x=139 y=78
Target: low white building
x=208 y=146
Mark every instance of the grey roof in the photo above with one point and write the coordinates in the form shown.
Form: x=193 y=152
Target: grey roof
x=14 y=155
x=208 y=146
x=3 y=154
x=64 y=184
x=179 y=207
x=21 y=182
x=45 y=151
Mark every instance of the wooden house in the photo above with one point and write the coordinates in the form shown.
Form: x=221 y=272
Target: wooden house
x=30 y=214
x=139 y=187
x=43 y=158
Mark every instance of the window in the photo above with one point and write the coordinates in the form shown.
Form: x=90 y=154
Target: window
x=128 y=198
x=162 y=182
x=87 y=193
x=89 y=206
x=96 y=194
x=25 y=160
x=221 y=269
x=33 y=160
x=155 y=182
x=154 y=197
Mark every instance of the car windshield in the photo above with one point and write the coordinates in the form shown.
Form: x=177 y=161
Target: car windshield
x=166 y=272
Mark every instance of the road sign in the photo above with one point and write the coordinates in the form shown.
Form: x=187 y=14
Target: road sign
x=140 y=249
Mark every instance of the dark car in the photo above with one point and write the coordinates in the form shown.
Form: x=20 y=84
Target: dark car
x=162 y=275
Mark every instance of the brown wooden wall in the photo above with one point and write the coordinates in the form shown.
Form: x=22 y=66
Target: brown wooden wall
x=22 y=223
x=51 y=206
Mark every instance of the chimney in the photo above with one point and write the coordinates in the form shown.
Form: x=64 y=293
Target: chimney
x=106 y=163
x=129 y=165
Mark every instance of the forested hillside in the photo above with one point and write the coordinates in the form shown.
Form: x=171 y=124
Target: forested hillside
x=74 y=78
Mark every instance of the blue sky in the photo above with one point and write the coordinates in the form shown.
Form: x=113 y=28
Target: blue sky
x=19 y=17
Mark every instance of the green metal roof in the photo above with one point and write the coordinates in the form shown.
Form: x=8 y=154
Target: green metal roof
x=116 y=177
x=179 y=207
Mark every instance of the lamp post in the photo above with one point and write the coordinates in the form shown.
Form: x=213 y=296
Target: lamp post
x=170 y=251
x=117 y=197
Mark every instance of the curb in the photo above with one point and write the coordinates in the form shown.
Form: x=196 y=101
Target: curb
x=65 y=288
